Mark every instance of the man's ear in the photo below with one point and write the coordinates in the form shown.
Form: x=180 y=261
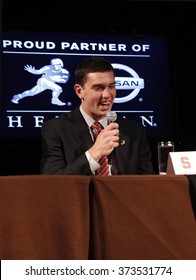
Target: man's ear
x=78 y=90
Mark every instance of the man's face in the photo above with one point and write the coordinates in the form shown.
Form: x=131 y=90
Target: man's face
x=97 y=94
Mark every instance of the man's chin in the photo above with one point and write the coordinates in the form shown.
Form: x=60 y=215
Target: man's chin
x=104 y=113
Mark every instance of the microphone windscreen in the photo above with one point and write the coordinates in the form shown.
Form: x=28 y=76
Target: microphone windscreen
x=111 y=116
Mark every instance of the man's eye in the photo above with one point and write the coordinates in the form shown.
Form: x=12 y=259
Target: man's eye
x=98 y=88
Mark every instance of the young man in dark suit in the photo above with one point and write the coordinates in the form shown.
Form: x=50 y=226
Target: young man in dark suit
x=68 y=144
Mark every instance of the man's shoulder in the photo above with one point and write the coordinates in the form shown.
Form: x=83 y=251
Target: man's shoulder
x=66 y=117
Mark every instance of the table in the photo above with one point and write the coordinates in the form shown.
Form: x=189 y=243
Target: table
x=143 y=217
x=44 y=217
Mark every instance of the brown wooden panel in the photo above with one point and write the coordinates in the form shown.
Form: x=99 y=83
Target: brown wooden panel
x=44 y=217
x=142 y=217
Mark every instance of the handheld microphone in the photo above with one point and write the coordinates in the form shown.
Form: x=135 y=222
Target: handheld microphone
x=111 y=117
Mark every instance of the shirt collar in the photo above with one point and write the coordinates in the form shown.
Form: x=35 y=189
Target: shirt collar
x=90 y=121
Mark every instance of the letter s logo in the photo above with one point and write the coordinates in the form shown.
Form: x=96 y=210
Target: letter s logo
x=185 y=162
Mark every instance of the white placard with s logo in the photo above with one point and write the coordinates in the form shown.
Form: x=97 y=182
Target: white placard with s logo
x=180 y=163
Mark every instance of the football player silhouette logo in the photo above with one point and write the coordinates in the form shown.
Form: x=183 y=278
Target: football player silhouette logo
x=52 y=75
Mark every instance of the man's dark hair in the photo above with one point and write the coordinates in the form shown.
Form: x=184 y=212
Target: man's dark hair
x=91 y=65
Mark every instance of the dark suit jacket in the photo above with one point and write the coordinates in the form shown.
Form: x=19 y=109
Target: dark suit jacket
x=66 y=139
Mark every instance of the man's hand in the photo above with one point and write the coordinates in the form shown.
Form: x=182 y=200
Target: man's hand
x=106 y=141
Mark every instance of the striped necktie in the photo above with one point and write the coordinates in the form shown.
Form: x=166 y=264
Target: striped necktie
x=104 y=169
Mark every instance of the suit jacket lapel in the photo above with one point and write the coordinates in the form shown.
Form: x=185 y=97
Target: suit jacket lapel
x=81 y=129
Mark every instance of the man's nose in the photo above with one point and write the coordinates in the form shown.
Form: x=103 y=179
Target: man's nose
x=106 y=92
